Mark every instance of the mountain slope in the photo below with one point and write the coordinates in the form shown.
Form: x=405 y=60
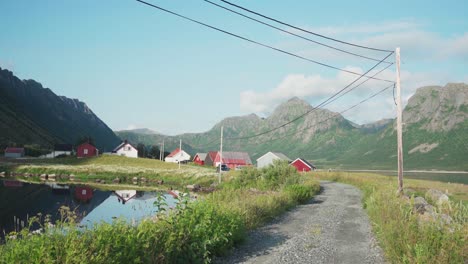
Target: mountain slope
x=56 y=118
x=435 y=134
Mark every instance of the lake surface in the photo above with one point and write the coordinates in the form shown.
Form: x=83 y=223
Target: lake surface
x=431 y=176
x=19 y=201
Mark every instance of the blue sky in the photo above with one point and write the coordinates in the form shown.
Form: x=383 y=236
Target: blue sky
x=138 y=67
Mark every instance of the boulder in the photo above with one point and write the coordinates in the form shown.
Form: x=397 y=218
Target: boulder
x=438 y=197
x=193 y=187
x=116 y=180
x=420 y=205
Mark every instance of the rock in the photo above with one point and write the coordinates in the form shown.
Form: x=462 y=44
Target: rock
x=160 y=182
x=52 y=176
x=419 y=205
x=143 y=179
x=97 y=181
x=103 y=182
x=194 y=188
x=2 y=174
x=438 y=197
x=43 y=177
x=135 y=179
x=445 y=219
x=116 y=180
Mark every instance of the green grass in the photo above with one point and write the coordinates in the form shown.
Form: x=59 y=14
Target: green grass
x=402 y=235
x=193 y=232
x=107 y=168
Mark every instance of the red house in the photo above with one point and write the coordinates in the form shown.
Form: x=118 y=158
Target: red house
x=302 y=165
x=233 y=159
x=200 y=158
x=210 y=157
x=86 y=150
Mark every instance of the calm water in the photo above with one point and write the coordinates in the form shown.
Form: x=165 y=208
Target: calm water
x=442 y=177
x=18 y=201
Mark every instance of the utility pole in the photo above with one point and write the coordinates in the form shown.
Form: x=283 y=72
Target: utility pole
x=399 y=123
x=220 y=154
x=163 y=151
x=180 y=151
x=160 y=152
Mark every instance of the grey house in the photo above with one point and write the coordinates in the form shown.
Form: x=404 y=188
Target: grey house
x=269 y=157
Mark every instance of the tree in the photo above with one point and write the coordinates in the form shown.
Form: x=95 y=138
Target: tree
x=141 y=150
x=154 y=152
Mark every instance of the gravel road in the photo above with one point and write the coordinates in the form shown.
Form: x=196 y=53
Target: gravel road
x=332 y=228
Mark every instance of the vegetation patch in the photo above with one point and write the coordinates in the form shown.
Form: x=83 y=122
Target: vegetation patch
x=193 y=232
x=404 y=235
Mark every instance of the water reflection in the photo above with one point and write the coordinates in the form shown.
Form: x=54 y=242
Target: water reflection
x=19 y=201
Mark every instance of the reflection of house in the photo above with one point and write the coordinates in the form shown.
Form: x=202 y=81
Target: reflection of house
x=199 y=158
x=83 y=193
x=86 y=150
x=177 y=155
x=14 y=152
x=126 y=149
x=233 y=159
x=302 y=165
x=125 y=195
x=269 y=157
x=12 y=183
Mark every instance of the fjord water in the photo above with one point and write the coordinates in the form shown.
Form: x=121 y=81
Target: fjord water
x=19 y=201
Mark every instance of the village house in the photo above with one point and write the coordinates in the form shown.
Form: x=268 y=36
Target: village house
x=302 y=165
x=233 y=159
x=86 y=150
x=177 y=156
x=126 y=149
x=14 y=152
x=269 y=157
x=124 y=196
x=210 y=157
x=199 y=158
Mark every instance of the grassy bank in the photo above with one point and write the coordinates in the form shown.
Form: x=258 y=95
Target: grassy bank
x=107 y=168
x=404 y=236
x=191 y=233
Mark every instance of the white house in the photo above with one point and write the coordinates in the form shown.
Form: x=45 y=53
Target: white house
x=60 y=150
x=177 y=156
x=269 y=157
x=125 y=195
x=126 y=149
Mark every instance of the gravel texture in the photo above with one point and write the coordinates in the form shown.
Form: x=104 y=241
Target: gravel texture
x=332 y=228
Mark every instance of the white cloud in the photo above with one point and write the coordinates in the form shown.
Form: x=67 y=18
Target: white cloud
x=316 y=89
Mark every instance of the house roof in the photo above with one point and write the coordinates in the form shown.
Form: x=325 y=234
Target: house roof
x=125 y=142
x=14 y=150
x=281 y=156
x=308 y=164
x=175 y=152
x=63 y=147
x=236 y=157
x=88 y=144
x=277 y=154
x=202 y=156
x=212 y=155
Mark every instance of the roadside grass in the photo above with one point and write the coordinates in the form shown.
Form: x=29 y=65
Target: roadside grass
x=403 y=235
x=193 y=232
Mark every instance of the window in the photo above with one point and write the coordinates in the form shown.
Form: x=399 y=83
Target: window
x=128 y=148
x=85 y=151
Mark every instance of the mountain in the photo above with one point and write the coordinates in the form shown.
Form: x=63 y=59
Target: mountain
x=435 y=125
x=32 y=114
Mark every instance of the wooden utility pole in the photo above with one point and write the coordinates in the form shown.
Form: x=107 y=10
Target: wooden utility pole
x=220 y=155
x=399 y=123
x=180 y=151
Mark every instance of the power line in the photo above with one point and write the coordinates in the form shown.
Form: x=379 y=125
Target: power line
x=258 y=43
x=291 y=33
x=323 y=121
x=303 y=30
x=316 y=107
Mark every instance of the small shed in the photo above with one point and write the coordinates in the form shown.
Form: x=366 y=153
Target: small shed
x=177 y=156
x=210 y=157
x=199 y=158
x=86 y=150
x=233 y=159
x=302 y=165
x=269 y=157
x=14 y=152
x=126 y=149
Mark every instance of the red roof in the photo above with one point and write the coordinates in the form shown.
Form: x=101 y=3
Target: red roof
x=212 y=155
x=14 y=150
x=173 y=153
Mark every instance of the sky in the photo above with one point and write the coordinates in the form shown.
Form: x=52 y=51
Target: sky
x=138 y=67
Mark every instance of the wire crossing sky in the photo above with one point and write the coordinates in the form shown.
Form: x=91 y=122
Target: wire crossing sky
x=136 y=68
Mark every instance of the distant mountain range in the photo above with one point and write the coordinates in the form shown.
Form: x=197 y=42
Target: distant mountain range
x=435 y=134
x=32 y=114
